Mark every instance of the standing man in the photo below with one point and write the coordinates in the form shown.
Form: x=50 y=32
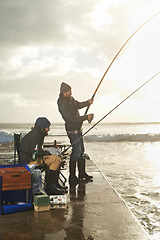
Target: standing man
x=68 y=107
x=35 y=138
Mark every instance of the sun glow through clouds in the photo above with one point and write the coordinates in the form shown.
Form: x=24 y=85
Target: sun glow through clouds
x=39 y=51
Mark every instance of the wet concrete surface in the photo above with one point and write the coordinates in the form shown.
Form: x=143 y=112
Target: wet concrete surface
x=94 y=211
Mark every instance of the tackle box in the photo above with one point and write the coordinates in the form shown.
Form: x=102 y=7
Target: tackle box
x=15 y=188
x=41 y=203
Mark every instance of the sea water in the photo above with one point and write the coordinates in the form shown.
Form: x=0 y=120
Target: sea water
x=129 y=156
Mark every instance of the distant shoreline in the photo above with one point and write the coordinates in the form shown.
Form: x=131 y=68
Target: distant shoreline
x=62 y=123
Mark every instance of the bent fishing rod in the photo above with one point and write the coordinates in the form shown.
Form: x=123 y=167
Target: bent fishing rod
x=116 y=57
x=111 y=111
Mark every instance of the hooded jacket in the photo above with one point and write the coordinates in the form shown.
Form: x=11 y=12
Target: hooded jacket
x=28 y=143
x=68 y=107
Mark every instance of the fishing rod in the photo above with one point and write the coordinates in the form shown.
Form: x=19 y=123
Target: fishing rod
x=111 y=111
x=116 y=57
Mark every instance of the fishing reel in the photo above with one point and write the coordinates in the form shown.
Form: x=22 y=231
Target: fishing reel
x=91 y=116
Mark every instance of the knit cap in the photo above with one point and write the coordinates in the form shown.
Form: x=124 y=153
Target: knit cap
x=64 y=87
x=42 y=122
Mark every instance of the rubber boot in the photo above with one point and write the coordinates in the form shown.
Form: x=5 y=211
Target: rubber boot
x=51 y=181
x=82 y=173
x=73 y=180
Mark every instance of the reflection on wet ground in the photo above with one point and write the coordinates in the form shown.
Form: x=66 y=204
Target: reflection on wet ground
x=54 y=224
x=94 y=212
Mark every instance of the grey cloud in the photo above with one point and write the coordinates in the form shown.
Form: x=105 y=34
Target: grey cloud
x=25 y=22
x=67 y=27
x=46 y=22
x=62 y=23
x=38 y=21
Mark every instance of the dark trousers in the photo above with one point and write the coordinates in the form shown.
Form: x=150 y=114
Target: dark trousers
x=78 y=146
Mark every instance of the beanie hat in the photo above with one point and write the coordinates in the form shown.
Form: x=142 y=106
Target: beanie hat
x=42 y=122
x=64 y=87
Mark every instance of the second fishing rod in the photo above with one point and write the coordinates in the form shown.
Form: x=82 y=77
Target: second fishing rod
x=111 y=111
x=117 y=56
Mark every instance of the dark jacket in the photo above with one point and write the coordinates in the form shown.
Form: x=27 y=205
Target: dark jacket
x=28 y=143
x=68 y=107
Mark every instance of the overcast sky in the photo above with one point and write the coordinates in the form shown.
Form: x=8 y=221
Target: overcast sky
x=46 y=42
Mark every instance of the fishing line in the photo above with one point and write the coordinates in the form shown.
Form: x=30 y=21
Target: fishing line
x=116 y=57
x=111 y=111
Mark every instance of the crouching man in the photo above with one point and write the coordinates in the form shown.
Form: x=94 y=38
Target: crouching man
x=35 y=138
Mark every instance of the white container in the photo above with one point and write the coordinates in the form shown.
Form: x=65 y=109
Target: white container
x=58 y=201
